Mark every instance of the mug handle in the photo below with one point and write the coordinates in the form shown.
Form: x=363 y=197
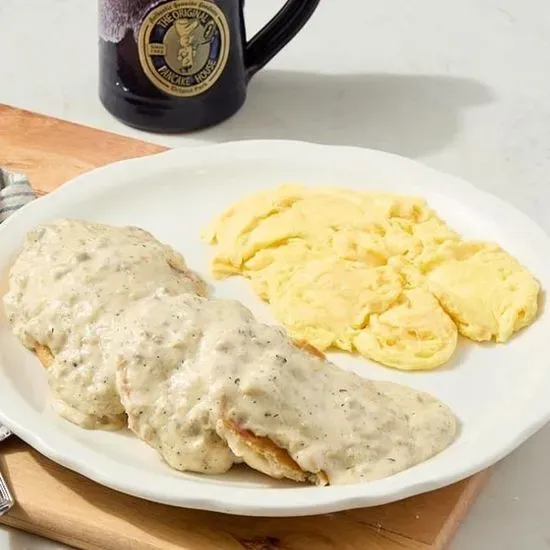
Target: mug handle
x=270 y=40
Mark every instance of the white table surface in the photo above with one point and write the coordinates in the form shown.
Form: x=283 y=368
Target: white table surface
x=463 y=86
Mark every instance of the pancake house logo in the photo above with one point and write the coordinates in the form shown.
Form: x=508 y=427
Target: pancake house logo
x=183 y=46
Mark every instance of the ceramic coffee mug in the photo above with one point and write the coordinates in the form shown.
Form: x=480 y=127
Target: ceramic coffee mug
x=182 y=65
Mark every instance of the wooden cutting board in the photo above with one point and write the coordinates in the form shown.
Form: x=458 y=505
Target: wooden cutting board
x=62 y=505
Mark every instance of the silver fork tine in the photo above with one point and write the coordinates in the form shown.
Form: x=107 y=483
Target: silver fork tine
x=6 y=500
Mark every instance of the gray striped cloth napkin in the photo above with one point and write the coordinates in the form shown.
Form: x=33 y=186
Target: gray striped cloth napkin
x=15 y=192
x=4 y=432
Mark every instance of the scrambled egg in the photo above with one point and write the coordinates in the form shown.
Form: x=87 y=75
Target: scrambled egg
x=488 y=294
x=376 y=273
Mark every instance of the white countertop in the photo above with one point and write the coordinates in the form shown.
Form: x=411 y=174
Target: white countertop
x=462 y=86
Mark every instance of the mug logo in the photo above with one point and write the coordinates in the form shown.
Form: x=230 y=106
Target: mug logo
x=183 y=46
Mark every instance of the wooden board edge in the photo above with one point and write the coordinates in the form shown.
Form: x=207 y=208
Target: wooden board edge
x=14 y=111
x=26 y=526
x=462 y=509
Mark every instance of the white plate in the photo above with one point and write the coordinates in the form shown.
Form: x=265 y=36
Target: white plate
x=500 y=393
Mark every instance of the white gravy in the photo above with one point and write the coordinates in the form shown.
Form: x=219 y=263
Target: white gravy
x=67 y=289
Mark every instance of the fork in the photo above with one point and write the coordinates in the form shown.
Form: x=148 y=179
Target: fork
x=6 y=500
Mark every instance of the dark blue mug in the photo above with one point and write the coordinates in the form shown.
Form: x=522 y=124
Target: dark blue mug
x=182 y=65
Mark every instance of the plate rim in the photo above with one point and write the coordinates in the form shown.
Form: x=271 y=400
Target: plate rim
x=231 y=500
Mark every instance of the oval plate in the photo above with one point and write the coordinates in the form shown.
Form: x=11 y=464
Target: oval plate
x=500 y=393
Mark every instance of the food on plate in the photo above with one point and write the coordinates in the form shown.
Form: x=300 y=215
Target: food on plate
x=215 y=387
x=487 y=293
x=413 y=331
x=376 y=273
x=126 y=334
x=67 y=289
